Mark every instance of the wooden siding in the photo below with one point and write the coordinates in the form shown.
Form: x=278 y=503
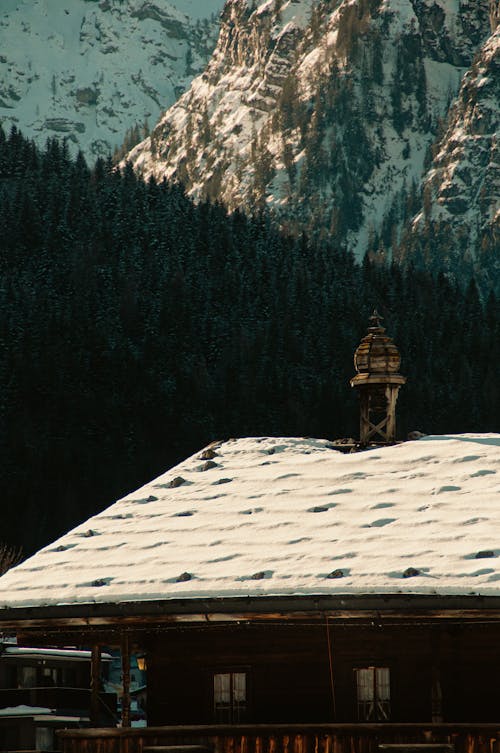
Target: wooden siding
x=288 y=669
x=465 y=738
x=291 y=660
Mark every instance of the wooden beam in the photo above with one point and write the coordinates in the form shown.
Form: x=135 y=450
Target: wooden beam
x=330 y=666
x=125 y=651
x=104 y=623
x=391 y=392
x=436 y=689
x=95 y=681
x=377 y=429
x=486 y=729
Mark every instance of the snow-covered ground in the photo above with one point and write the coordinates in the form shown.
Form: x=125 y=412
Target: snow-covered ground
x=278 y=516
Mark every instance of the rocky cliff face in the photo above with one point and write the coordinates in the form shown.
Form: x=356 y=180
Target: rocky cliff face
x=494 y=14
x=323 y=111
x=91 y=70
x=458 y=226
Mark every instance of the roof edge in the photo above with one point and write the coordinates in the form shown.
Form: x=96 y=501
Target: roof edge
x=220 y=609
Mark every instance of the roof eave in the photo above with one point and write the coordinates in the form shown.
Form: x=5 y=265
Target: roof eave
x=253 y=608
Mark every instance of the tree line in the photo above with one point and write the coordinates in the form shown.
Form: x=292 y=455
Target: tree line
x=136 y=327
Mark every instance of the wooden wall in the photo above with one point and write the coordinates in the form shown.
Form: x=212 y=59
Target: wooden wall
x=289 y=671
x=17 y=734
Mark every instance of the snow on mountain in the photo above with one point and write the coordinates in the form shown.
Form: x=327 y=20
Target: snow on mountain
x=274 y=516
x=461 y=206
x=323 y=111
x=90 y=70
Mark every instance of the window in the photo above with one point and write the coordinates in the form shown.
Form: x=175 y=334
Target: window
x=230 y=696
x=373 y=693
x=44 y=738
x=12 y=677
x=26 y=677
x=68 y=677
x=49 y=677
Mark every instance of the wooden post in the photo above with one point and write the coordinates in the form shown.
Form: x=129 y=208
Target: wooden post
x=95 y=677
x=436 y=690
x=330 y=665
x=364 y=423
x=125 y=648
x=391 y=393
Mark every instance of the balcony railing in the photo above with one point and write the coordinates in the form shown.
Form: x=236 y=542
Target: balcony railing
x=285 y=738
x=61 y=699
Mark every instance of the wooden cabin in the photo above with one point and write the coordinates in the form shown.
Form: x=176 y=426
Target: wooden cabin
x=288 y=598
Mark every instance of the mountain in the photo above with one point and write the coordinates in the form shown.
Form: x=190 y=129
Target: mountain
x=458 y=227
x=325 y=112
x=94 y=71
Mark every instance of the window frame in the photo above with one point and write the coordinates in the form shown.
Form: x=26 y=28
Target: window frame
x=377 y=708
x=236 y=715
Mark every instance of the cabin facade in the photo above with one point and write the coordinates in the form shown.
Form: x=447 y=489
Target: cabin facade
x=288 y=597
x=366 y=671
x=324 y=669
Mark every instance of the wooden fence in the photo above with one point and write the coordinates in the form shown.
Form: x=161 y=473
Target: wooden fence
x=286 y=738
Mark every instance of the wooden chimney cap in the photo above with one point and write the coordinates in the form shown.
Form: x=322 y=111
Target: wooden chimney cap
x=376 y=353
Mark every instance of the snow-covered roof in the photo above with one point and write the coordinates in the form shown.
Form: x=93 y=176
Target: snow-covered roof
x=280 y=516
x=23 y=710
x=40 y=714
x=23 y=652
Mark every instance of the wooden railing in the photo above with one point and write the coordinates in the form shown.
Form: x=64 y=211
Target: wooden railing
x=56 y=698
x=283 y=738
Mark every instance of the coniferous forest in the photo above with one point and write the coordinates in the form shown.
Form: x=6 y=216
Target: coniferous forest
x=136 y=327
